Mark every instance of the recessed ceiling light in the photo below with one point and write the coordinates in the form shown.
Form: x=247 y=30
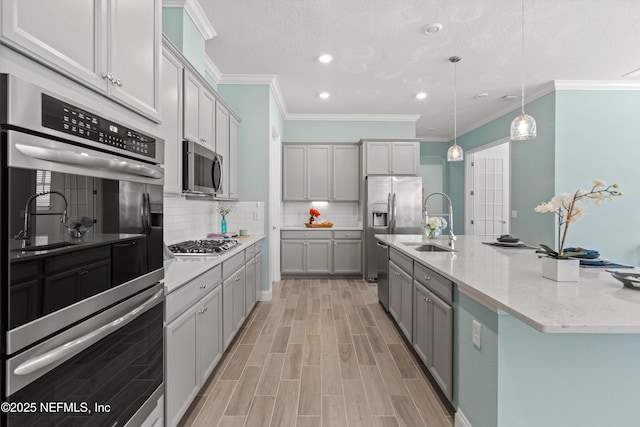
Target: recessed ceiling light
x=430 y=29
x=509 y=97
x=421 y=95
x=324 y=95
x=325 y=58
x=481 y=95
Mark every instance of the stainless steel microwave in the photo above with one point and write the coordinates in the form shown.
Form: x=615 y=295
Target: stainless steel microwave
x=201 y=170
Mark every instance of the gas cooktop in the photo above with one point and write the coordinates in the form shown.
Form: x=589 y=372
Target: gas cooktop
x=202 y=247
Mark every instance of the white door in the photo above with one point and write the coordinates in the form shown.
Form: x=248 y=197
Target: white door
x=489 y=193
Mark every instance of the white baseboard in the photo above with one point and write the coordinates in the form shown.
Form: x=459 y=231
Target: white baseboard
x=461 y=420
x=265 y=295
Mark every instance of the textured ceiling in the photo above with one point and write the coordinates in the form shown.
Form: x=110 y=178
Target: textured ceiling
x=382 y=58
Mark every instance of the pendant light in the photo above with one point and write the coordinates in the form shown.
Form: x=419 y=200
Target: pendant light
x=523 y=127
x=455 y=153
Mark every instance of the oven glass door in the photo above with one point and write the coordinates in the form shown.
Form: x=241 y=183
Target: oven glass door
x=79 y=240
x=105 y=383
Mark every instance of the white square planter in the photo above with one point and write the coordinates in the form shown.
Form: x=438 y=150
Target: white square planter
x=561 y=270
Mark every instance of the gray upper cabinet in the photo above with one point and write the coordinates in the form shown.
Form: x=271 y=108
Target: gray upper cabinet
x=199 y=112
x=320 y=172
x=171 y=126
x=306 y=172
x=391 y=157
x=294 y=186
x=222 y=144
x=113 y=47
x=346 y=173
x=233 y=162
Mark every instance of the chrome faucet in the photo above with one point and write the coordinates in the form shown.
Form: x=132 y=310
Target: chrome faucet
x=24 y=234
x=452 y=237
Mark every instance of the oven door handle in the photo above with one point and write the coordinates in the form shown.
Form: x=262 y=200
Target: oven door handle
x=84 y=159
x=85 y=341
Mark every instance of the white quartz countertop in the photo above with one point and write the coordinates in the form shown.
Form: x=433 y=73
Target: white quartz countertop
x=181 y=269
x=334 y=227
x=510 y=280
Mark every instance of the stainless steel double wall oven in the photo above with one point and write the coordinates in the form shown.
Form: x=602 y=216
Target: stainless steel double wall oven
x=81 y=314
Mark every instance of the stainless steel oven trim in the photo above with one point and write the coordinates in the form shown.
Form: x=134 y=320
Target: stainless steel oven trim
x=34 y=152
x=31 y=332
x=156 y=399
x=24 y=110
x=115 y=314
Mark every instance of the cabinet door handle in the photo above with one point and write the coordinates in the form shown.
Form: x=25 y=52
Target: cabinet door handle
x=203 y=286
x=427 y=277
x=118 y=82
x=396 y=273
x=348 y=235
x=424 y=298
x=206 y=308
x=335 y=243
x=108 y=76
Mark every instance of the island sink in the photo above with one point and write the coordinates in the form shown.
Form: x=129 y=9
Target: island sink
x=427 y=247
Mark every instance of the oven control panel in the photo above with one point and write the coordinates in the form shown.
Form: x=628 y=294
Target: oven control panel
x=64 y=117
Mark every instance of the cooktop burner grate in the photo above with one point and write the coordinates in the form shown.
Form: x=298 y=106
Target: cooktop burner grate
x=202 y=247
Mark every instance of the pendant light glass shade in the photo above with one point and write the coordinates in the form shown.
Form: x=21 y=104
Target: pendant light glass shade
x=455 y=152
x=523 y=127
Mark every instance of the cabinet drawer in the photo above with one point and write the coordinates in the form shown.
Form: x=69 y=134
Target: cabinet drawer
x=436 y=283
x=75 y=259
x=303 y=234
x=350 y=234
x=249 y=252
x=232 y=264
x=401 y=260
x=188 y=294
x=258 y=247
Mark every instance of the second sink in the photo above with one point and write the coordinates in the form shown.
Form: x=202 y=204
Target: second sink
x=427 y=247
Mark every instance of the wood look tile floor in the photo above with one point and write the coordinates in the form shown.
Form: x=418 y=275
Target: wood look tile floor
x=321 y=353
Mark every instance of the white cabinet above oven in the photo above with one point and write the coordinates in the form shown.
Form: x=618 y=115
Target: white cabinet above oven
x=111 y=46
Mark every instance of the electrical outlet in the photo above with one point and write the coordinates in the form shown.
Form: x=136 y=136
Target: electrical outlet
x=514 y=214
x=476 y=333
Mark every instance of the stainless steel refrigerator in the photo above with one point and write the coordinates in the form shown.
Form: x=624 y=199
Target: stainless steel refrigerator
x=393 y=205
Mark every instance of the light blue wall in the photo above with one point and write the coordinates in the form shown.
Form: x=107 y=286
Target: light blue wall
x=251 y=103
x=532 y=170
x=182 y=31
x=209 y=78
x=597 y=137
x=345 y=131
x=475 y=370
x=566 y=380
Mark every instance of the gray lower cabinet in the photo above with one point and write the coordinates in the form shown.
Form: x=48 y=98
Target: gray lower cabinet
x=395 y=291
x=250 y=284
x=305 y=257
x=347 y=256
x=321 y=252
x=234 y=310
x=193 y=341
x=433 y=336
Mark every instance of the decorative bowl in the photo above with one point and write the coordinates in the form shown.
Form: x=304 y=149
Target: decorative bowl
x=77 y=227
x=629 y=280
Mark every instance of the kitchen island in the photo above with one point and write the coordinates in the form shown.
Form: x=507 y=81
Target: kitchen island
x=552 y=354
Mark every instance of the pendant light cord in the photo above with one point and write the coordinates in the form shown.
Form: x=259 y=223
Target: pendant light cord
x=522 y=59
x=455 y=102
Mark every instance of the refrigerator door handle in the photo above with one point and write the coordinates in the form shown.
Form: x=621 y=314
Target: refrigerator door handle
x=389 y=213
x=393 y=218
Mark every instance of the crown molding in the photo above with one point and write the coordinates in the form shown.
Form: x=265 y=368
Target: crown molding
x=597 y=84
x=277 y=94
x=356 y=117
x=196 y=13
x=211 y=68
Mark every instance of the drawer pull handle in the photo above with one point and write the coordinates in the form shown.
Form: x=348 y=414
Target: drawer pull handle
x=348 y=235
x=424 y=298
x=427 y=277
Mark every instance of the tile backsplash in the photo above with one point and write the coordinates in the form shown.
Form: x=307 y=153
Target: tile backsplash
x=194 y=219
x=342 y=213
